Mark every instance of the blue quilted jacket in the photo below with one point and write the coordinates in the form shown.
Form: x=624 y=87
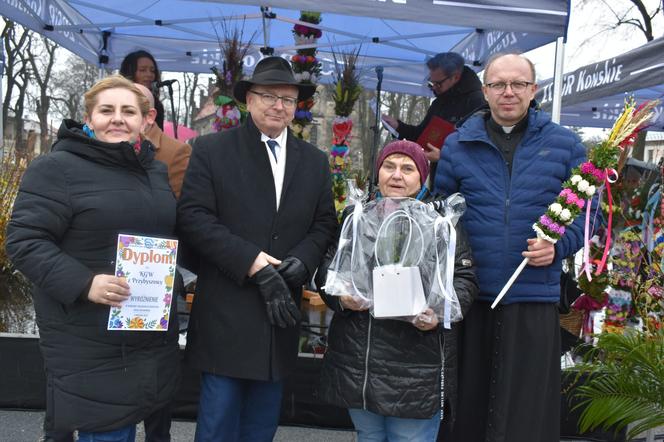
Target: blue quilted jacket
x=502 y=208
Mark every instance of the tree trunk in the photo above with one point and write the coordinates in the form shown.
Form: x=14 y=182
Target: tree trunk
x=43 y=106
x=190 y=90
x=21 y=146
x=15 y=65
x=42 y=76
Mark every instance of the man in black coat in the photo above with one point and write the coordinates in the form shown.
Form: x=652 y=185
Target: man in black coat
x=458 y=93
x=257 y=207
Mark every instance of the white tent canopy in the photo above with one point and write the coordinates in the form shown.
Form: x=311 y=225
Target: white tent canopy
x=398 y=35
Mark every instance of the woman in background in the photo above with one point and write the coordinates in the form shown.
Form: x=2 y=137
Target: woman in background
x=99 y=180
x=141 y=67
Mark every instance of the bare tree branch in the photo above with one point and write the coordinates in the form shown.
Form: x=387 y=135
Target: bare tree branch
x=647 y=19
x=42 y=67
x=16 y=40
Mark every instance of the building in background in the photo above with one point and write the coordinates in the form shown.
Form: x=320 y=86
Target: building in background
x=30 y=141
x=654 y=149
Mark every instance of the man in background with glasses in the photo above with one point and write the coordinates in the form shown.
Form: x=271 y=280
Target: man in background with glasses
x=458 y=93
x=257 y=207
x=510 y=163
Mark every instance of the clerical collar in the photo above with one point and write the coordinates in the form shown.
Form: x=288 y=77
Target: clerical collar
x=518 y=127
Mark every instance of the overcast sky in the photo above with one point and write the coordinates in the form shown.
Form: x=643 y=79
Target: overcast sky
x=586 y=43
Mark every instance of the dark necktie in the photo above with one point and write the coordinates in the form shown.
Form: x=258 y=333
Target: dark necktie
x=272 y=144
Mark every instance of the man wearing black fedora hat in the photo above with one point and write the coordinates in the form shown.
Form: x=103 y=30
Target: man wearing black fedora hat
x=257 y=207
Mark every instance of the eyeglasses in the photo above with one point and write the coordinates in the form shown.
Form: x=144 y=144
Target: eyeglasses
x=271 y=100
x=517 y=87
x=431 y=84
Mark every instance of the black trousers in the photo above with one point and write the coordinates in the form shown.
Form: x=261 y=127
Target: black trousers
x=509 y=374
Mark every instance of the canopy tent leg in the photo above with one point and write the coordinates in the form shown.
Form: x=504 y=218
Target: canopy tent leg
x=376 y=131
x=558 y=80
x=103 y=54
x=2 y=128
x=268 y=15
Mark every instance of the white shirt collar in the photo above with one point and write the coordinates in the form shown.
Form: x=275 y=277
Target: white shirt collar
x=508 y=129
x=281 y=139
x=277 y=165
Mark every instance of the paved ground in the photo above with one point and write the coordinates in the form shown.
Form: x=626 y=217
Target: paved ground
x=25 y=426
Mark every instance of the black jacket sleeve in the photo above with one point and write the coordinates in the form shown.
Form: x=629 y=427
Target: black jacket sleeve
x=412 y=132
x=41 y=217
x=465 y=281
x=199 y=225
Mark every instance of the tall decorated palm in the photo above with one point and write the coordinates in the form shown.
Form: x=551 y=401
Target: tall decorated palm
x=347 y=90
x=233 y=50
x=306 y=68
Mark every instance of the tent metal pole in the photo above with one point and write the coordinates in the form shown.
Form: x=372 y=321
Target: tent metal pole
x=558 y=81
x=266 y=50
x=103 y=54
x=2 y=128
x=376 y=131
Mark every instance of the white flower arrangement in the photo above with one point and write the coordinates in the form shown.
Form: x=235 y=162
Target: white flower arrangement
x=575 y=179
x=582 y=185
x=305 y=40
x=590 y=191
x=556 y=208
x=566 y=216
x=540 y=234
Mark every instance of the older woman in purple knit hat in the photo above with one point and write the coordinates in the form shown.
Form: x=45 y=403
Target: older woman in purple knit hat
x=396 y=378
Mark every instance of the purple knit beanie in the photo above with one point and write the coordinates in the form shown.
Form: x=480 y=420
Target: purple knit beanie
x=410 y=149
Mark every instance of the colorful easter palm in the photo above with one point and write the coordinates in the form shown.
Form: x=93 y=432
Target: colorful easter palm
x=605 y=161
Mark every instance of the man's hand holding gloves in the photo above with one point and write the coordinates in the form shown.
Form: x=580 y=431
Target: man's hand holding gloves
x=281 y=309
x=294 y=272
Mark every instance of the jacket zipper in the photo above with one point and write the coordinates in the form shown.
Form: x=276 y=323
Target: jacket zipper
x=508 y=191
x=508 y=194
x=366 y=367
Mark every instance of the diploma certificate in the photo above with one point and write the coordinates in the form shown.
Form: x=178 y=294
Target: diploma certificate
x=148 y=266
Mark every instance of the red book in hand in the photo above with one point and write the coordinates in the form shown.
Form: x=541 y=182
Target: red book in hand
x=435 y=133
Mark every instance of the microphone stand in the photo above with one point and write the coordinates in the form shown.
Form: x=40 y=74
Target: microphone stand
x=173 y=118
x=376 y=130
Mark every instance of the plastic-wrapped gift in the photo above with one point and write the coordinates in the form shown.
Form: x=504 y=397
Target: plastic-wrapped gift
x=397 y=256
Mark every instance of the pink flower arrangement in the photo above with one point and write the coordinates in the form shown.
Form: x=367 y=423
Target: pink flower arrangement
x=603 y=160
x=590 y=169
x=552 y=225
x=572 y=198
x=228 y=116
x=307 y=31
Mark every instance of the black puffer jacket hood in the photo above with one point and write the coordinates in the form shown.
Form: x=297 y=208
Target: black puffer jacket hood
x=71 y=138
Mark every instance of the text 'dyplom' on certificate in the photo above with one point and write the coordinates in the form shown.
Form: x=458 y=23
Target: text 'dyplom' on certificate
x=148 y=266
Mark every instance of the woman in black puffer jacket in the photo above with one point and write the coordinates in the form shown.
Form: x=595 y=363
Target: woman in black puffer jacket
x=389 y=373
x=98 y=181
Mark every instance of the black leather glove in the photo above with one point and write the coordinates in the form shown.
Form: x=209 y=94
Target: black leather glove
x=281 y=309
x=293 y=271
